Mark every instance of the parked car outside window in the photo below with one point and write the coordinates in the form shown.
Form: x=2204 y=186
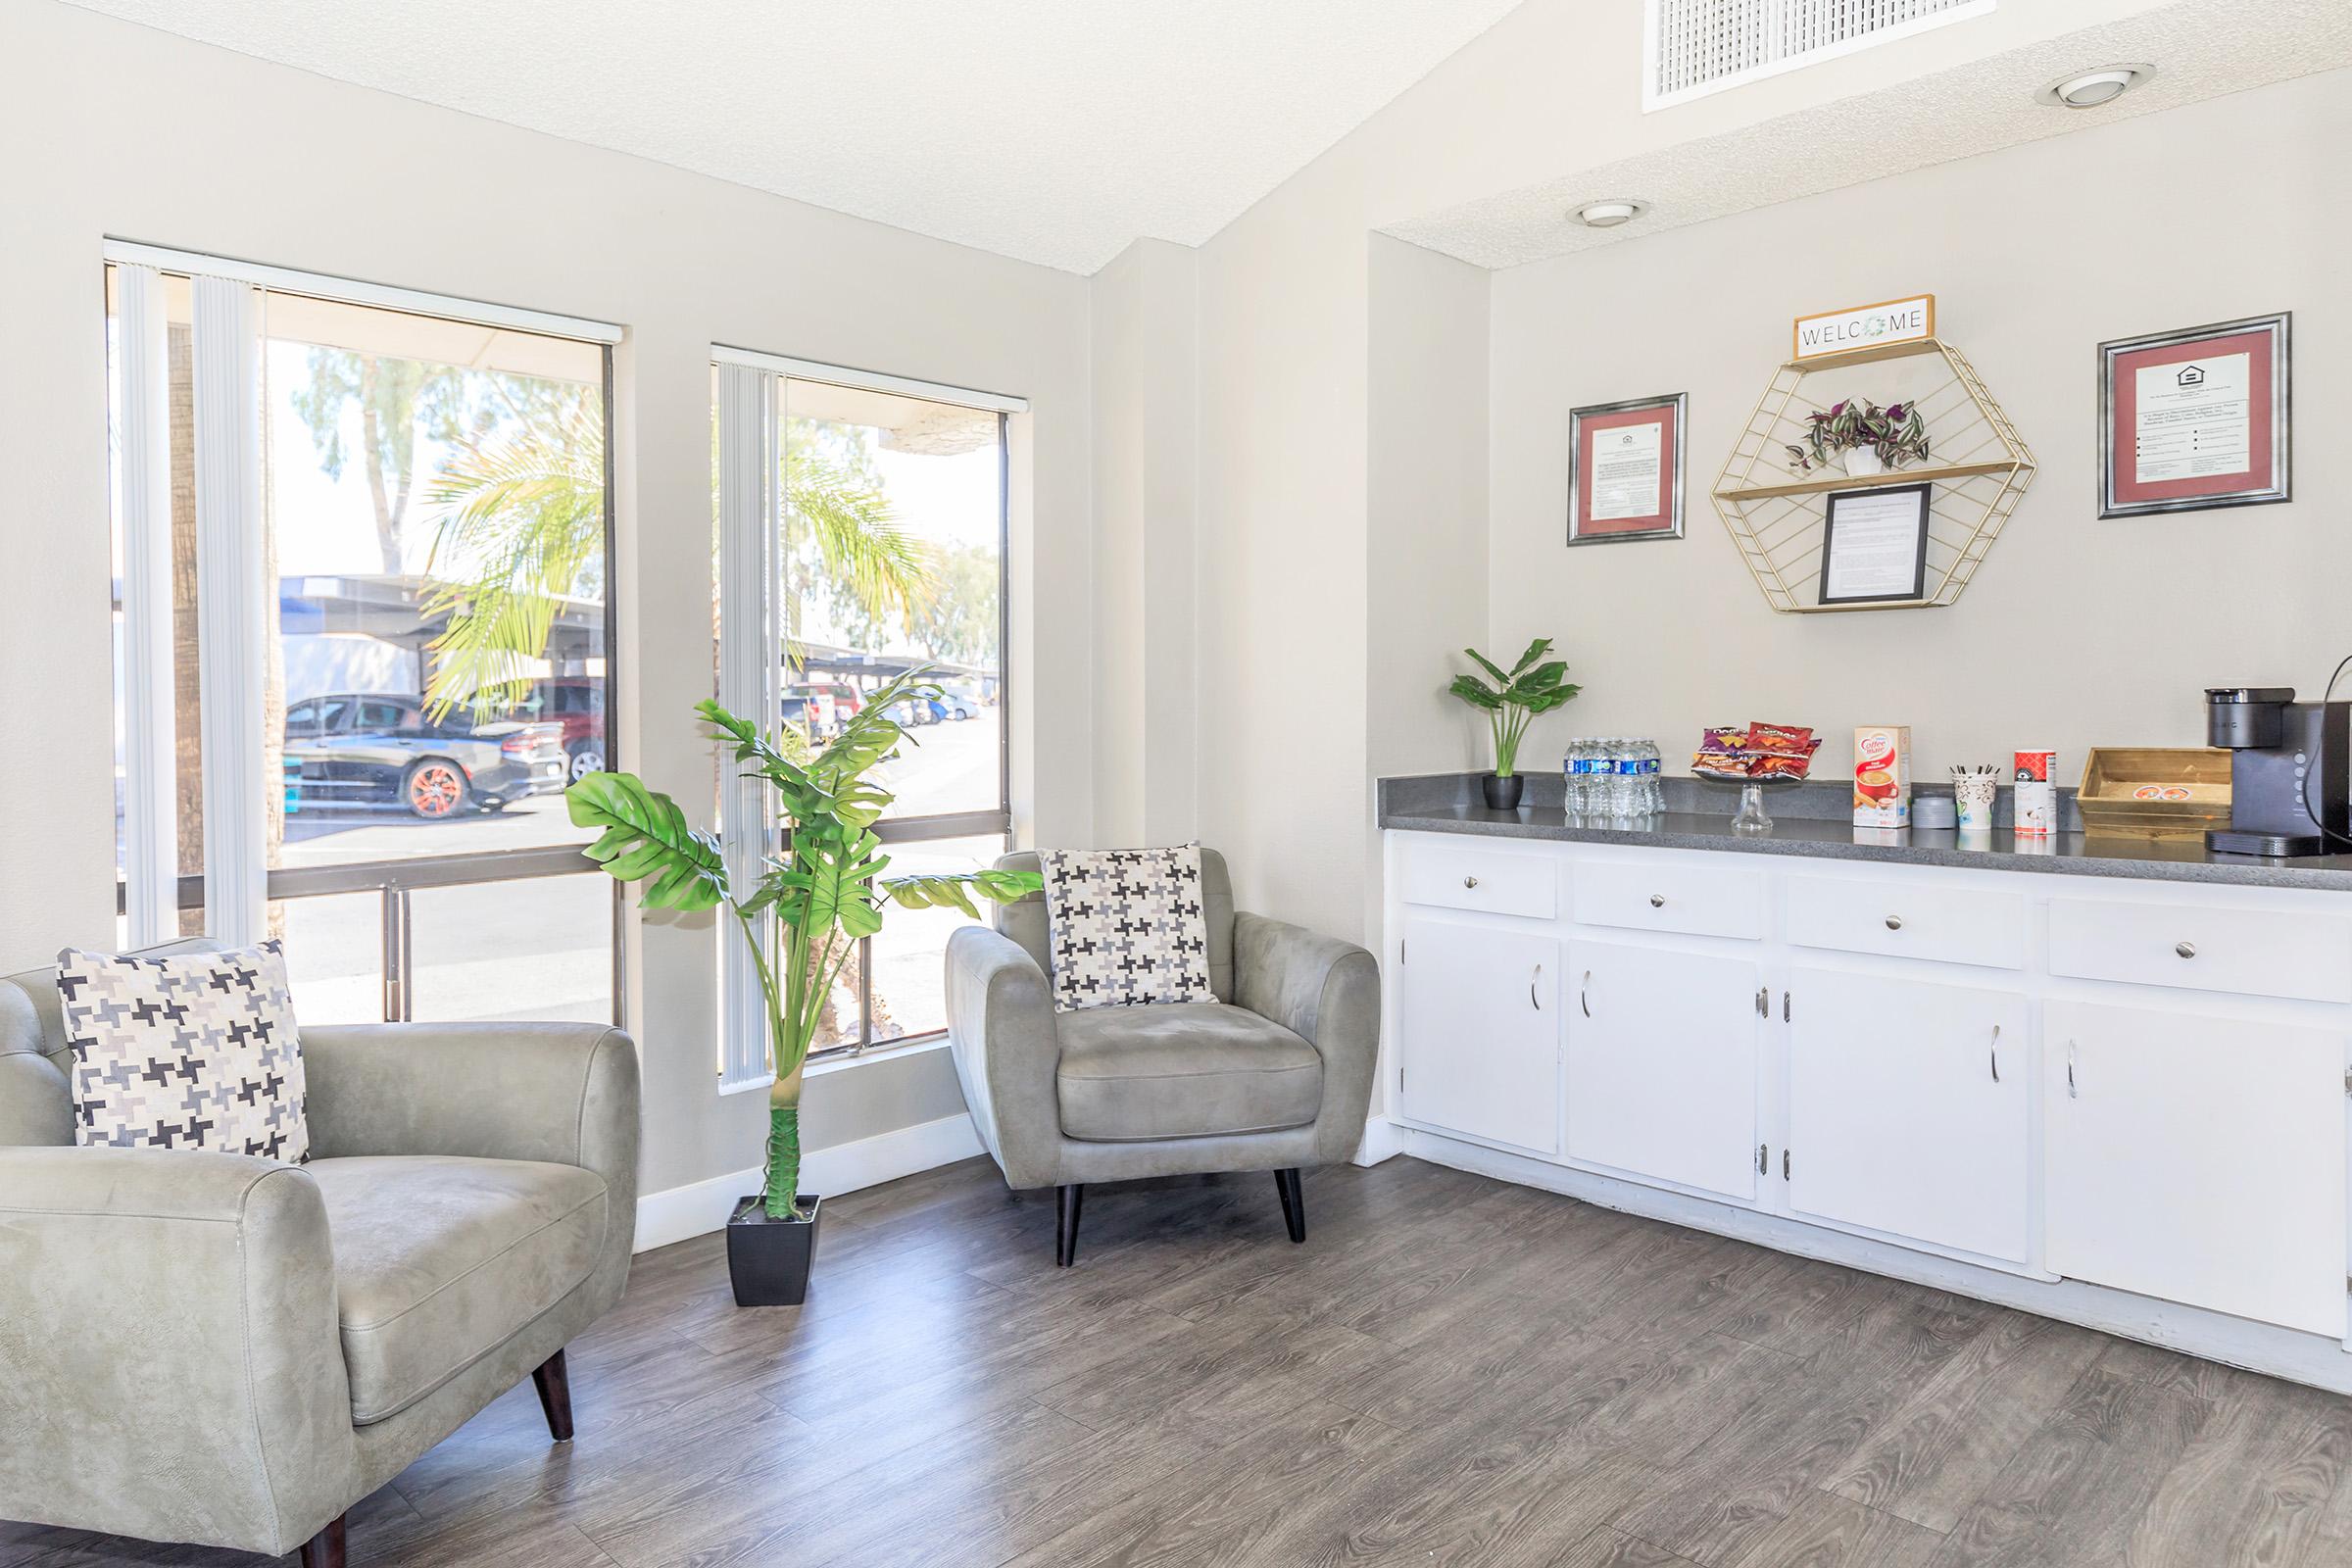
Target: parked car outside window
x=577 y=703
x=373 y=749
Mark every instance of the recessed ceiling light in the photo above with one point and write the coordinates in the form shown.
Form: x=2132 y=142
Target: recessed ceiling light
x=2087 y=89
x=1610 y=212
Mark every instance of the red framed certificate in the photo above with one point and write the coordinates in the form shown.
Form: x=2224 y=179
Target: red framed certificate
x=1625 y=470
x=2195 y=418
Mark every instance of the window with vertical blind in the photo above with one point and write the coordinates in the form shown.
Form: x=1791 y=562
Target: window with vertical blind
x=861 y=533
x=362 y=540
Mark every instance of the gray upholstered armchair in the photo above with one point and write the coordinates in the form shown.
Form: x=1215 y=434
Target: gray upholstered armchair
x=231 y=1351
x=1274 y=1076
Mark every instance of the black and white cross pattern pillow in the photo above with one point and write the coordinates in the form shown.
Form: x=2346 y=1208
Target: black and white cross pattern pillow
x=193 y=1050
x=1126 y=927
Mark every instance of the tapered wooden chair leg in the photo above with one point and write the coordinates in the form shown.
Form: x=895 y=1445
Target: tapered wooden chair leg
x=1065 y=1227
x=555 y=1395
x=1294 y=1203
x=326 y=1549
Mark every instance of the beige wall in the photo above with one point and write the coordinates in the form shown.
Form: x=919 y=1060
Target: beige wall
x=112 y=129
x=1427 y=516
x=1289 y=321
x=1145 y=396
x=2076 y=633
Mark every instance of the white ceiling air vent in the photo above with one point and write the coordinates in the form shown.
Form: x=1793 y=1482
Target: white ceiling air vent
x=1693 y=47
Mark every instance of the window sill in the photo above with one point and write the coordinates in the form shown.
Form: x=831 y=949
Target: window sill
x=828 y=1067
x=894 y=1050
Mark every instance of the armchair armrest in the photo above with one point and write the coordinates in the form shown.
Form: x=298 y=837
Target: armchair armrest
x=562 y=1092
x=1001 y=1029
x=169 y=1345
x=1327 y=992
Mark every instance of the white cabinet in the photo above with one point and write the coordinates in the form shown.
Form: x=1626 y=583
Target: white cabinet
x=1662 y=1063
x=1480 y=1031
x=1908 y=1109
x=2197 y=1158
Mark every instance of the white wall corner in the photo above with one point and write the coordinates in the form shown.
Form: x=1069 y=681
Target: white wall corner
x=681 y=1213
x=1383 y=1139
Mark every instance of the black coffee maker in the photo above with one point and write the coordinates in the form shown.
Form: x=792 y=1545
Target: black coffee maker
x=2290 y=772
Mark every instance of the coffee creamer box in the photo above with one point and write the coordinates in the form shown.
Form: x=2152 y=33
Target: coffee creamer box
x=1883 y=775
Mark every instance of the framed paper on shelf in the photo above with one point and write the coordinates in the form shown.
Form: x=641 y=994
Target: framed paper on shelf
x=1625 y=470
x=1874 y=545
x=2195 y=418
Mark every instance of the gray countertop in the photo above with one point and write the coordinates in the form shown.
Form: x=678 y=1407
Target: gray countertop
x=1699 y=816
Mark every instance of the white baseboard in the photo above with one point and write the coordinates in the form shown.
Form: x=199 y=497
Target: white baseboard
x=1383 y=1139
x=699 y=1208
x=2281 y=1352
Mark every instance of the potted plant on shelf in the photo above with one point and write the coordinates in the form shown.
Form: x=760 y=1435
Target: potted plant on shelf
x=1510 y=704
x=826 y=891
x=1873 y=439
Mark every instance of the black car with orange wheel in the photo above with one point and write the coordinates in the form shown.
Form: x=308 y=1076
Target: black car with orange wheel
x=379 y=748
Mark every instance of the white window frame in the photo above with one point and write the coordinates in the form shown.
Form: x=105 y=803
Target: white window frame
x=234 y=596
x=751 y=594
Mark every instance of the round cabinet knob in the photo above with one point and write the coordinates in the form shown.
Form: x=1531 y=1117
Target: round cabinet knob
x=2186 y=950
x=1657 y=900
x=1469 y=881
x=1894 y=922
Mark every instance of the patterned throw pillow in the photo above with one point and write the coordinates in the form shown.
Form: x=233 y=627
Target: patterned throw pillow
x=1125 y=927
x=195 y=1051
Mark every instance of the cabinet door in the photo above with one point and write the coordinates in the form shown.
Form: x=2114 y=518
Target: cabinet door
x=1907 y=1110
x=1481 y=1048
x=1662 y=1064
x=2198 y=1158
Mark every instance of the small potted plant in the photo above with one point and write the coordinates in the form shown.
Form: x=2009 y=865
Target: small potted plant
x=1873 y=439
x=1513 y=700
x=826 y=889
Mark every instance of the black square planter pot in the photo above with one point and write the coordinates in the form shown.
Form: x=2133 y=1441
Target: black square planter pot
x=768 y=1259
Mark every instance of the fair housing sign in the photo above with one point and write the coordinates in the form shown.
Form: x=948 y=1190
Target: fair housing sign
x=1865 y=326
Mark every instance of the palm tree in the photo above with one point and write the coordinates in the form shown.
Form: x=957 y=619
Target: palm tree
x=519 y=515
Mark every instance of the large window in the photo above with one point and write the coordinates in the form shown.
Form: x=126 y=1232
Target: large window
x=364 y=628
x=889 y=512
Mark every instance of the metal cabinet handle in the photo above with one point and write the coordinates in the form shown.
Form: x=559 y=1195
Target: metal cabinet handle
x=1657 y=900
x=1996 y=1053
x=1469 y=881
x=1580 y=993
x=1894 y=922
x=1531 y=987
x=2070 y=1093
x=2186 y=950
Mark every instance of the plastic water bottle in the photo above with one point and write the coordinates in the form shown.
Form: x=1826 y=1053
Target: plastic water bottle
x=1650 y=798
x=1572 y=763
x=1583 y=762
x=1621 y=778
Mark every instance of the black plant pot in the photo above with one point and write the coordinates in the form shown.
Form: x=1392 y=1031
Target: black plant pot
x=1502 y=794
x=768 y=1259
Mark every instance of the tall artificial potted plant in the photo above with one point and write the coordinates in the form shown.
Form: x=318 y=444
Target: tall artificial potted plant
x=825 y=889
x=1510 y=704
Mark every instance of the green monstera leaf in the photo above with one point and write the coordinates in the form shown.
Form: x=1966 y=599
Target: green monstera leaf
x=646 y=839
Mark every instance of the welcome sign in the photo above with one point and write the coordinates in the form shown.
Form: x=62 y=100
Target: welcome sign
x=1865 y=326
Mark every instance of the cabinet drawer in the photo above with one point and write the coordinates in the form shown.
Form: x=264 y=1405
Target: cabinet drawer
x=1668 y=894
x=2261 y=952
x=1455 y=877
x=1949 y=926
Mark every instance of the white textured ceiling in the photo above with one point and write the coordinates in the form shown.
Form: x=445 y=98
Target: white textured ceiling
x=2200 y=48
x=1052 y=130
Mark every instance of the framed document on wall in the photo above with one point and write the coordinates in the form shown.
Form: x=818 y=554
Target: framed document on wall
x=2194 y=418
x=1874 y=545
x=1625 y=470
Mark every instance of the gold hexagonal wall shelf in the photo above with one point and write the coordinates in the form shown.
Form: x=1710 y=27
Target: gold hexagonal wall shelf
x=1980 y=470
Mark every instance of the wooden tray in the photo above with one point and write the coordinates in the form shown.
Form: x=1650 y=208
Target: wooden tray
x=2154 y=792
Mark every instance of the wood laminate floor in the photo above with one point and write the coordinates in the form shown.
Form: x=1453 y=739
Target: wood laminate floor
x=1451 y=1370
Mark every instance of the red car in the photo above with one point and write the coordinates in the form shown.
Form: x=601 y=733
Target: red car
x=577 y=703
